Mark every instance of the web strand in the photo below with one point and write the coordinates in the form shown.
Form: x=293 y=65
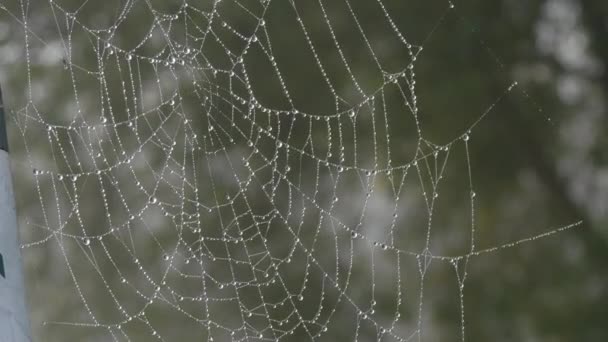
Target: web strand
x=187 y=178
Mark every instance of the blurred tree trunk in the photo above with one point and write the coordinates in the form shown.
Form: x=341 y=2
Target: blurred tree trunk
x=595 y=18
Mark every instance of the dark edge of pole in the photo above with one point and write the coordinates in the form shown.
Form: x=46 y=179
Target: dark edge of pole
x=3 y=136
x=3 y=146
x=2 y=267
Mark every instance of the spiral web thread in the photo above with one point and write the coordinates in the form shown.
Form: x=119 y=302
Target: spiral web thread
x=179 y=198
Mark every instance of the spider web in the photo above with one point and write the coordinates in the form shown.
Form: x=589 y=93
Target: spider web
x=190 y=186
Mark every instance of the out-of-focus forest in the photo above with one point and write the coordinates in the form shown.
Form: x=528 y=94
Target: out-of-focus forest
x=534 y=71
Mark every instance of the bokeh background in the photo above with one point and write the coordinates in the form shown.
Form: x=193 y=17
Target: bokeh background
x=535 y=71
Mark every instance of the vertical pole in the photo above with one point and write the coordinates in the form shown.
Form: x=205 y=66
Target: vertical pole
x=14 y=323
